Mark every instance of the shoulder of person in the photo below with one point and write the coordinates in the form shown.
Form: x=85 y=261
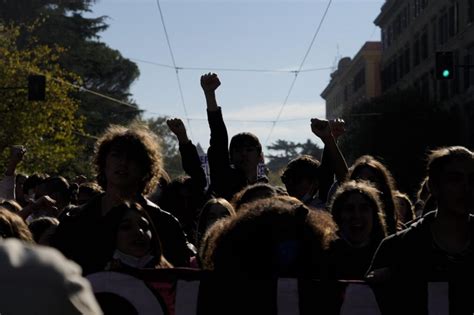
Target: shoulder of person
x=410 y=237
x=75 y=212
x=154 y=210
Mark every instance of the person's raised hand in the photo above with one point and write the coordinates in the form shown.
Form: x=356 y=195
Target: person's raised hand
x=321 y=128
x=210 y=82
x=17 y=152
x=177 y=127
x=338 y=127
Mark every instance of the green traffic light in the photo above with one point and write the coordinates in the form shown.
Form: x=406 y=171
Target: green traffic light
x=446 y=73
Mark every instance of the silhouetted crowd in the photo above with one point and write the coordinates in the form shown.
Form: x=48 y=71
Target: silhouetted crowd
x=328 y=222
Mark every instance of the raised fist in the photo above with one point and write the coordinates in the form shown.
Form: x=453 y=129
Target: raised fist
x=337 y=127
x=321 y=128
x=210 y=82
x=176 y=126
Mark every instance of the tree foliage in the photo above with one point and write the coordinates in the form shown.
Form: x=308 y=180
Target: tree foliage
x=48 y=129
x=285 y=151
x=104 y=70
x=169 y=145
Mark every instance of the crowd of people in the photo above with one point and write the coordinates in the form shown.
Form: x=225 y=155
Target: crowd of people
x=328 y=221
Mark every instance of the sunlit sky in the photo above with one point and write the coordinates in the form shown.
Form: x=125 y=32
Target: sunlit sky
x=258 y=34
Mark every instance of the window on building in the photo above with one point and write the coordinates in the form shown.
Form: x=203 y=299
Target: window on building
x=456 y=83
x=400 y=65
x=416 y=51
x=397 y=26
x=434 y=43
x=404 y=18
x=389 y=36
x=417 y=7
x=423 y=4
x=384 y=38
x=453 y=24
x=470 y=11
x=395 y=74
x=406 y=60
x=425 y=86
x=424 y=44
x=443 y=90
x=384 y=79
x=466 y=72
x=443 y=28
x=359 y=80
x=469 y=71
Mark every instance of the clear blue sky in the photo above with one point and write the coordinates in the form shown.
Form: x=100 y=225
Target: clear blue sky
x=258 y=34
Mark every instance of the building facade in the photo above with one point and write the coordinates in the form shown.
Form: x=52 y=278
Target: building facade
x=412 y=32
x=354 y=81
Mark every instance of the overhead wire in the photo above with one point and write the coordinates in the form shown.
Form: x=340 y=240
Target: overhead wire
x=228 y=69
x=83 y=89
x=249 y=120
x=175 y=67
x=298 y=71
x=152 y=63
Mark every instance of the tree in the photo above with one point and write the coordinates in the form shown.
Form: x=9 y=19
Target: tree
x=104 y=70
x=48 y=129
x=285 y=152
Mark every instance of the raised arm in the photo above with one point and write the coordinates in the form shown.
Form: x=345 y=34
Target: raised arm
x=7 y=184
x=218 y=152
x=209 y=83
x=219 y=138
x=331 y=154
x=189 y=155
x=338 y=128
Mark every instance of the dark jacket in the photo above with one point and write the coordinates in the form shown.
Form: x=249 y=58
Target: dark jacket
x=225 y=179
x=192 y=165
x=186 y=208
x=348 y=262
x=88 y=238
x=413 y=259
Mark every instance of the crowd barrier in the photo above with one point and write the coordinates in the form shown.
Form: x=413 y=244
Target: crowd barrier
x=180 y=292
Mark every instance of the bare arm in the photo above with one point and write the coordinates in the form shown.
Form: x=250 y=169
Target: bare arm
x=322 y=129
x=7 y=184
x=209 y=83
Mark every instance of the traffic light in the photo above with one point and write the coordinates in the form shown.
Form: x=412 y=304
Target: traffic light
x=444 y=65
x=36 y=88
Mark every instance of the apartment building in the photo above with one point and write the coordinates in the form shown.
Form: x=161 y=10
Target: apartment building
x=354 y=81
x=412 y=32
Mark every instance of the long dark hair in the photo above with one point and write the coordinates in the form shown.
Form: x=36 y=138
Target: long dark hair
x=370 y=193
x=387 y=187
